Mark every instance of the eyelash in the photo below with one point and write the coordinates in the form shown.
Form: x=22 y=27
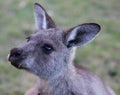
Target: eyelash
x=46 y=48
x=28 y=38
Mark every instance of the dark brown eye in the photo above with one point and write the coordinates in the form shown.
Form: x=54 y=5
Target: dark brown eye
x=46 y=48
x=28 y=38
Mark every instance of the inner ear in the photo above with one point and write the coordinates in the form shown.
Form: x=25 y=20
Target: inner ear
x=42 y=19
x=81 y=34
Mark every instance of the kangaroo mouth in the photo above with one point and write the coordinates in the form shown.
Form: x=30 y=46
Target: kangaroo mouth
x=14 y=62
x=19 y=66
x=16 y=65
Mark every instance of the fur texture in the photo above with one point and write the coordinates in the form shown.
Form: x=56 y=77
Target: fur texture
x=49 y=54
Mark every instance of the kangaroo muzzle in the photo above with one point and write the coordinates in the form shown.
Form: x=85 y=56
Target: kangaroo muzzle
x=15 y=57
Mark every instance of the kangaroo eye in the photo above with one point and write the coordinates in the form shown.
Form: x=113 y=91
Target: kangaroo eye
x=47 y=49
x=28 y=38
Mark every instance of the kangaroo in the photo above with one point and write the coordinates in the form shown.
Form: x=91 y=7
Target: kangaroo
x=49 y=54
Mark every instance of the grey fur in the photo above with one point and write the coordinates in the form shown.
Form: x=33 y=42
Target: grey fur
x=56 y=71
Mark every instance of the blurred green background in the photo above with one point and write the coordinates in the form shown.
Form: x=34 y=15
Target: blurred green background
x=102 y=55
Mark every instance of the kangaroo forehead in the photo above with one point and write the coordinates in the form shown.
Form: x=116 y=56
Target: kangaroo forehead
x=48 y=34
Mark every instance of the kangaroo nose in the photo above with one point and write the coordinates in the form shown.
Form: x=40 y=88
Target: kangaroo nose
x=15 y=54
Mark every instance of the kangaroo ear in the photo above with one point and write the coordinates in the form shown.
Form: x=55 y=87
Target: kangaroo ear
x=42 y=19
x=81 y=34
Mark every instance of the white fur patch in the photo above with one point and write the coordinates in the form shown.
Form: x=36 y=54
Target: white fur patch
x=40 y=18
x=73 y=34
x=8 y=56
x=44 y=22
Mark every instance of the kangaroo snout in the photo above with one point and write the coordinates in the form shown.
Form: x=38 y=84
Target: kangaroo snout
x=15 y=56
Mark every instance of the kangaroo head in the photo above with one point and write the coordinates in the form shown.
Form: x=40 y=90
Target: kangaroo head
x=46 y=53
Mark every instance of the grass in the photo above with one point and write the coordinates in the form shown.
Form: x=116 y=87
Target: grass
x=101 y=56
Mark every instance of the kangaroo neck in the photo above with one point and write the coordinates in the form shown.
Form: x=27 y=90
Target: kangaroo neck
x=60 y=85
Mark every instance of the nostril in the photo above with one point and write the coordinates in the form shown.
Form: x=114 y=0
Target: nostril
x=16 y=52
